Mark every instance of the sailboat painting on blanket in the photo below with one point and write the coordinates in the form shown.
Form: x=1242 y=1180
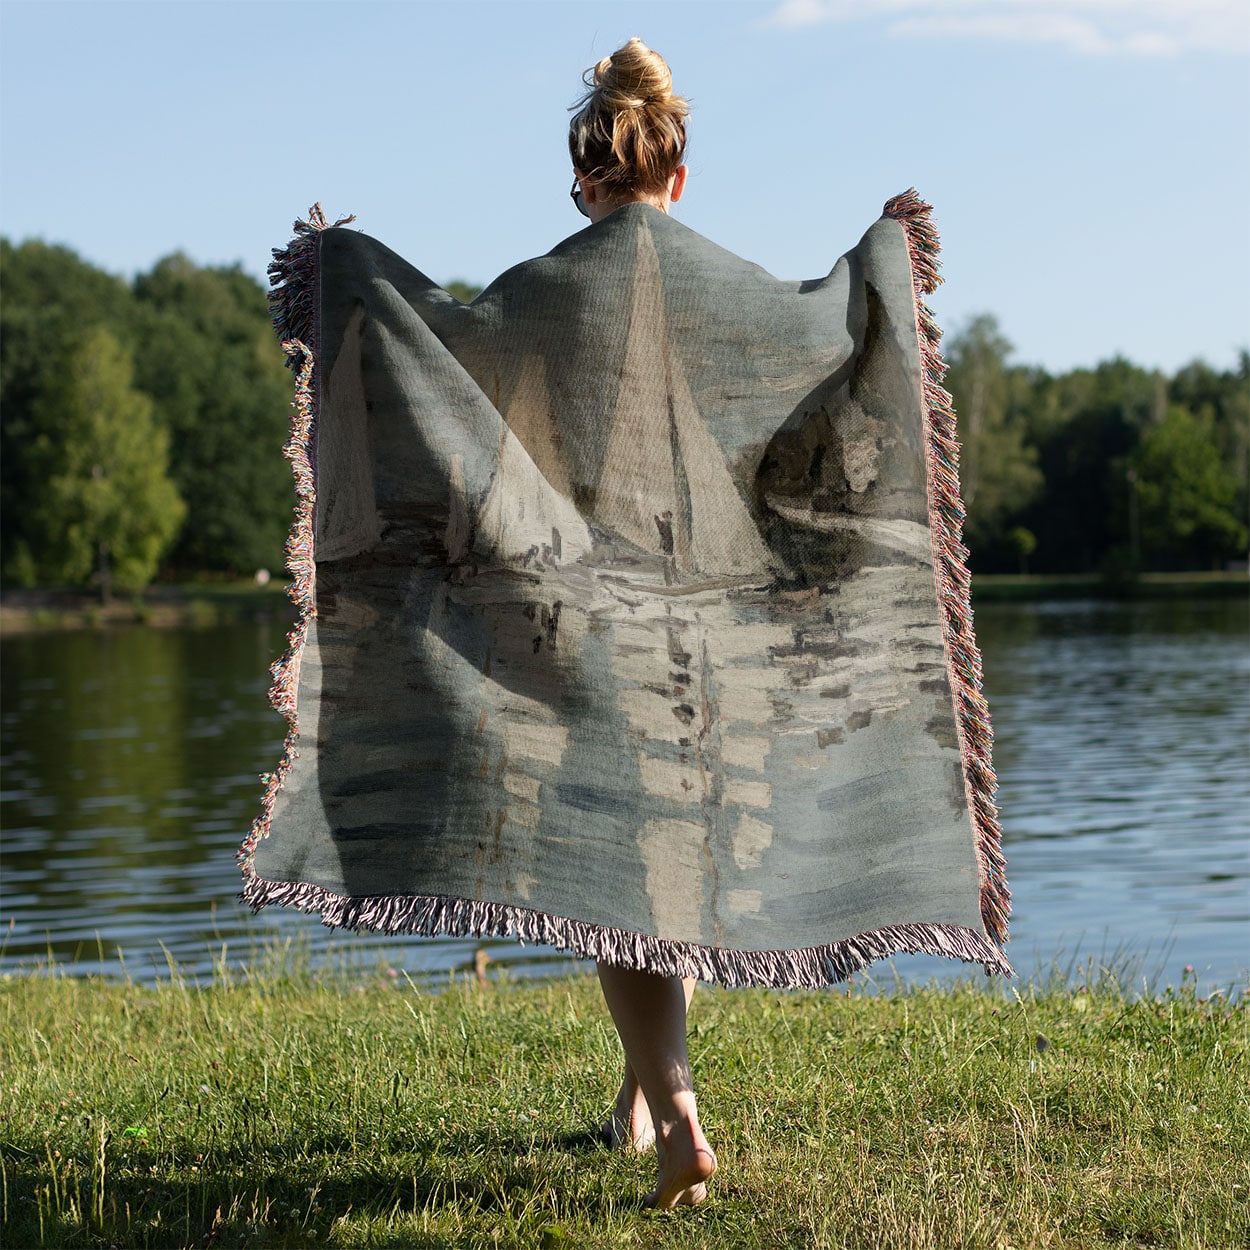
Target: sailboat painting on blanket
x=636 y=618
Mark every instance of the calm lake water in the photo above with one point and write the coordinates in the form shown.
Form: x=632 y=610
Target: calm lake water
x=131 y=757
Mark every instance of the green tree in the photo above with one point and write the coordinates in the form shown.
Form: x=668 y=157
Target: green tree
x=1187 y=494
x=208 y=357
x=106 y=508
x=1024 y=543
x=1086 y=424
x=51 y=298
x=465 y=292
x=1223 y=399
x=998 y=467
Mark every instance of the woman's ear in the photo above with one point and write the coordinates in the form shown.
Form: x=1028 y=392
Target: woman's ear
x=678 y=184
x=588 y=186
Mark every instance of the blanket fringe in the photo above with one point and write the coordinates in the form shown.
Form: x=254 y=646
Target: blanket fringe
x=954 y=584
x=811 y=968
x=294 y=303
x=294 y=300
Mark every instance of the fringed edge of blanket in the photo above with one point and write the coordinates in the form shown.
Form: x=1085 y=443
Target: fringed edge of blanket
x=294 y=302
x=295 y=298
x=810 y=968
x=294 y=305
x=954 y=584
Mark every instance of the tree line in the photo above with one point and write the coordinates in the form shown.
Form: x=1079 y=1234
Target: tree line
x=1114 y=470
x=140 y=424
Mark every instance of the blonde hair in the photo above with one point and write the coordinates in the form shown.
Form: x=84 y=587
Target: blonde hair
x=629 y=131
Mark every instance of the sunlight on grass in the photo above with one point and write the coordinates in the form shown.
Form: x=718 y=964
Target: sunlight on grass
x=281 y=1107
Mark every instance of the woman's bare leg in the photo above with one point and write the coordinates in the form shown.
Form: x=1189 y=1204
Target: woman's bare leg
x=649 y=1012
x=629 y=1127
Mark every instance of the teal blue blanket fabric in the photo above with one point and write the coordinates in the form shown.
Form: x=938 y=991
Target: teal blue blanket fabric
x=634 y=618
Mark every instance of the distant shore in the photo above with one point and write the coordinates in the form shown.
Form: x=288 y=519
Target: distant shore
x=163 y=606
x=1006 y=587
x=215 y=603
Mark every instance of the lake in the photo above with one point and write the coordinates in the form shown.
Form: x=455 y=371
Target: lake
x=131 y=760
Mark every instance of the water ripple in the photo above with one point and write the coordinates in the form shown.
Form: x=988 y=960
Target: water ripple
x=132 y=758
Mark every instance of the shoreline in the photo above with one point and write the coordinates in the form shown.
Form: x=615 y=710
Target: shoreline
x=202 y=605
x=175 y=606
x=1035 y=587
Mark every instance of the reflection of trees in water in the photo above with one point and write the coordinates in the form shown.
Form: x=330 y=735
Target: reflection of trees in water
x=136 y=748
x=1170 y=673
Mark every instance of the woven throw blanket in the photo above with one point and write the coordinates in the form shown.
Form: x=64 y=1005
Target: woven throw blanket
x=634 y=616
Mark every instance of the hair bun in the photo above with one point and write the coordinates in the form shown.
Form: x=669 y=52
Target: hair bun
x=633 y=77
x=629 y=131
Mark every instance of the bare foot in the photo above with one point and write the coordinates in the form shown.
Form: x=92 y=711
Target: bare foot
x=629 y=1126
x=686 y=1165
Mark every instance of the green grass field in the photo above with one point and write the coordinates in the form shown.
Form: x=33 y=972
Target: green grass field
x=283 y=1108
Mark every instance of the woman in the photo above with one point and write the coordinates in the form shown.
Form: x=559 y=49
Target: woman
x=635 y=621
x=628 y=142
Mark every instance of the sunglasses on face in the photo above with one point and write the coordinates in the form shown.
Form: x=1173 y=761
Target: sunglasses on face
x=576 y=196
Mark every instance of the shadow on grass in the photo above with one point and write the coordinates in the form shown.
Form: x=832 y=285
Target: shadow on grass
x=288 y=1195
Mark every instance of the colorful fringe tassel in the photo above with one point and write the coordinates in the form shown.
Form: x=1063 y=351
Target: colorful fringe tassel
x=950 y=562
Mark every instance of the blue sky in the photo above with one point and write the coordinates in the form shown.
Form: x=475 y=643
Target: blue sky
x=1088 y=160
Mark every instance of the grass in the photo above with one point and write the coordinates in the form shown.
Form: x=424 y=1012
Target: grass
x=278 y=1107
